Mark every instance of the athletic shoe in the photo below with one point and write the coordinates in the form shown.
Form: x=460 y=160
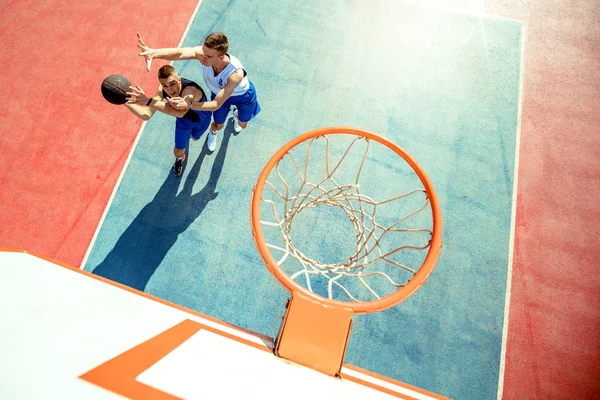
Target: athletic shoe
x=236 y=126
x=178 y=166
x=211 y=140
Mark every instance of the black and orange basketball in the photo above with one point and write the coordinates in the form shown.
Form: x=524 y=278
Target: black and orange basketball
x=114 y=89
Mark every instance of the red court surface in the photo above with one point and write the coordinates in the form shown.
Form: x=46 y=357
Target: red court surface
x=62 y=149
x=63 y=146
x=553 y=347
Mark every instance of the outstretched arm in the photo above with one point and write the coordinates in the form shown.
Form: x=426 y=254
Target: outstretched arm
x=138 y=106
x=182 y=53
x=137 y=100
x=225 y=93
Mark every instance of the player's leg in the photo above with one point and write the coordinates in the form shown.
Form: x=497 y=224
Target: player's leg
x=247 y=107
x=218 y=123
x=237 y=124
x=201 y=126
x=179 y=160
x=216 y=127
x=183 y=130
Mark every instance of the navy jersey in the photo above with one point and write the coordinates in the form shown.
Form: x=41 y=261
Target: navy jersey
x=185 y=83
x=191 y=114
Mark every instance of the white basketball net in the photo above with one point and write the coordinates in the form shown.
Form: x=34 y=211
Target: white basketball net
x=372 y=265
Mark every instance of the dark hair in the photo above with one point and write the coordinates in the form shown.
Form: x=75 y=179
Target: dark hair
x=217 y=41
x=166 y=71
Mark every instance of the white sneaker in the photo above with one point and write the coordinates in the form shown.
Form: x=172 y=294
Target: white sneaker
x=211 y=140
x=236 y=126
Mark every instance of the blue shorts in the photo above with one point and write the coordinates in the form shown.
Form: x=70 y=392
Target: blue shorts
x=186 y=128
x=247 y=105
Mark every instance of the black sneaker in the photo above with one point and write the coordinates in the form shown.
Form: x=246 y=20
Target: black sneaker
x=178 y=166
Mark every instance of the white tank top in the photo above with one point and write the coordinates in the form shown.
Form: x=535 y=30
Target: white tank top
x=218 y=82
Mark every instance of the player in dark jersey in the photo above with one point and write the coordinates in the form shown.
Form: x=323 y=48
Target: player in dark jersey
x=225 y=77
x=188 y=124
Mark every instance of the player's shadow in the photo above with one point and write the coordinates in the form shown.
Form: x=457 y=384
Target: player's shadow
x=145 y=243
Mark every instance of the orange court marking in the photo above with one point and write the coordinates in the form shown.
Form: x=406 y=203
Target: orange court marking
x=118 y=374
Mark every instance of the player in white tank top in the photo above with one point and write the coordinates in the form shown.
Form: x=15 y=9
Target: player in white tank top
x=216 y=82
x=224 y=75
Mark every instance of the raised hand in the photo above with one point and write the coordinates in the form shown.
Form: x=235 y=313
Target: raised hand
x=136 y=95
x=146 y=52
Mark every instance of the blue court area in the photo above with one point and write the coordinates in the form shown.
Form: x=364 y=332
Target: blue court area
x=444 y=86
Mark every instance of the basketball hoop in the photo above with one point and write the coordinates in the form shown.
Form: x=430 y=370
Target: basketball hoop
x=397 y=230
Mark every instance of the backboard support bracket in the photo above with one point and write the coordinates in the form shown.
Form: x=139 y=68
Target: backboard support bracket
x=314 y=334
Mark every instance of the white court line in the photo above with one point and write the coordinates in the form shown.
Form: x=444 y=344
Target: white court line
x=477 y=8
x=513 y=219
x=397 y=388
x=135 y=143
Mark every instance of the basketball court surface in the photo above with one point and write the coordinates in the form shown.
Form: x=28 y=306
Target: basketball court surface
x=188 y=240
x=172 y=293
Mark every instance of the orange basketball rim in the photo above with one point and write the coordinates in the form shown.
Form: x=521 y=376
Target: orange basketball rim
x=399 y=295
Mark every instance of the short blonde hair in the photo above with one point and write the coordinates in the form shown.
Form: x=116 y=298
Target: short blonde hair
x=217 y=41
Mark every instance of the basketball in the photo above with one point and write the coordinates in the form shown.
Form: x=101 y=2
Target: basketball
x=114 y=89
